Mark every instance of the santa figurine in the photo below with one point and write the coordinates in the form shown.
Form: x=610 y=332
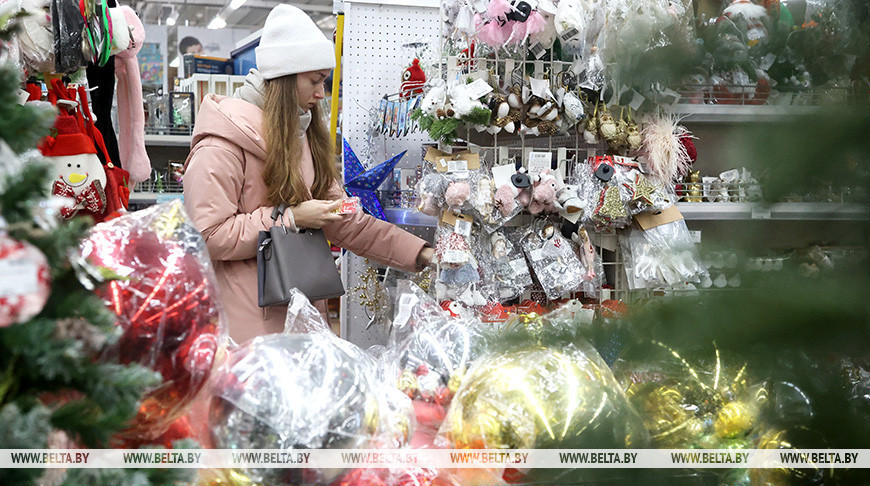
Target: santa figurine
x=413 y=80
x=79 y=174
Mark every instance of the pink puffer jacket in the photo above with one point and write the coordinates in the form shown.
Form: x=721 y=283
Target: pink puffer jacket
x=225 y=196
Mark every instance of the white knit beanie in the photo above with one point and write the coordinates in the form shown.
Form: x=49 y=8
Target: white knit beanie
x=292 y=43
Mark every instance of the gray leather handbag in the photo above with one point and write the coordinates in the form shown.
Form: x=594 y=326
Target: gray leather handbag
x=287 y=259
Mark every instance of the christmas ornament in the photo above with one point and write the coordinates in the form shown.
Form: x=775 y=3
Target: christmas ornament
x=293 y=391
x=610 y=206
x=413 y=80
x=166 y=302
x=80 y=175
x=24 y=280
x=542 y=397
x=642 y=191
x=364 y=183
x=370 y=294
x=666 y=156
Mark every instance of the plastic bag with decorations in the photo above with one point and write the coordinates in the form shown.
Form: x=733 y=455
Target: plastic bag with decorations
x=306 y=390
x=553 y=258
x=458 y=270
x=662 y=256
x=164 y=294
x=504 y=266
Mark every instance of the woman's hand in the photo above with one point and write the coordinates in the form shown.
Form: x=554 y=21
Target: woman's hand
x=315 y=213
x=424 y=258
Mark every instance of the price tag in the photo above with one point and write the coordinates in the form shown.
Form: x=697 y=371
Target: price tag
x=570 y=33
x=637 y=99
x=730 y=175
x=537 y=254
x=501 y=174
x=457 y=165
x=537 y=50
x=462 y=227
x=539 y=161
x=519 y=266
x=696 y=236
x=573 y=105
x=548 y=6
x=455 y=256
x=478 y=88
x=406 y=303
x=760 y=212
x=479 y=6
x=22 y=96
x=18 y=277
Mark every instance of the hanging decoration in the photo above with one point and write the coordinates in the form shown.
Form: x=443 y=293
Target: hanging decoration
x=364 y=183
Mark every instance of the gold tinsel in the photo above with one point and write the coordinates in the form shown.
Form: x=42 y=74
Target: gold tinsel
x=734 y=420
x=370 y=292
x=611 y=207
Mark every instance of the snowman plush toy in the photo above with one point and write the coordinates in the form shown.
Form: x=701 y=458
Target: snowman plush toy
x=79 y=174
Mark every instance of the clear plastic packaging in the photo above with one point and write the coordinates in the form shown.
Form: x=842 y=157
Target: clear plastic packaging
x=163 y=292
x=307 y=390
x=457 y=267
x=553 y=258
x=504 y=266
x=35 y=40
x=433 y=349
x=662 y=256
x=430 y=193
x=541 y=397
x=67 y=27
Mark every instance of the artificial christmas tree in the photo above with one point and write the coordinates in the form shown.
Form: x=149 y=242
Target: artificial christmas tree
x=55 y=390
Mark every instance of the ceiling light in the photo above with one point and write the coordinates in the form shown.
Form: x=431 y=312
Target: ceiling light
x=217 y=23
x=236 y=4
x=172 y=19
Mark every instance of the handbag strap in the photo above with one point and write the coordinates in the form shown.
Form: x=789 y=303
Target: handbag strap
x=276 y=216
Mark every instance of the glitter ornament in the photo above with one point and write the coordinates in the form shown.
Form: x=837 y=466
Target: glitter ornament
x=734 y=420
x=610 y=206
x=165 y=300
x=642 y=191
x=559 y=398
x=24 y=281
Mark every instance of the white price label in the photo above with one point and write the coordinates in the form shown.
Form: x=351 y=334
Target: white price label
x=548 y=6
x=479 y=6
x=462 y=227
x=537 y=254
x=18 y=277
x=478 y=88
x=22 y=96
x=457 y=166
x=730 y=175
x=696 y=236
x=519 y=266
x=537 y=50
x=501 y=174
x=406 y=303
x=455 y=256
x=539 y=161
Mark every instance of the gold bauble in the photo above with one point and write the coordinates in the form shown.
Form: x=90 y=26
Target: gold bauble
x=734 y=420
x=663 y=409
x=540 y=397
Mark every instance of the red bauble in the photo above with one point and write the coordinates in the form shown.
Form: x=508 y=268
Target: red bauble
x=166 y=304
x=24 y=281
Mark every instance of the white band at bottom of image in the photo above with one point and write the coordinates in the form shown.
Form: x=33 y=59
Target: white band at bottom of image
x=437 y=458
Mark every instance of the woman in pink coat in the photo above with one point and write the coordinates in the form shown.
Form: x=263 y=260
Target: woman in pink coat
x=266 y=146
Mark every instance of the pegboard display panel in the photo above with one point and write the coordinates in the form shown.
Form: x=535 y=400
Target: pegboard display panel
x=373 y=60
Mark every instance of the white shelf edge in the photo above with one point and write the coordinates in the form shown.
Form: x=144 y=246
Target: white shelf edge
x=168 y=140
x=703 y=113
x=721 y=211
x=154 y=197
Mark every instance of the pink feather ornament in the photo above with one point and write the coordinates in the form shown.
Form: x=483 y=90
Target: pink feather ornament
x=518 y=33
x=457 y=193
x=493 y=35
x=498 y=9
x=536 y=23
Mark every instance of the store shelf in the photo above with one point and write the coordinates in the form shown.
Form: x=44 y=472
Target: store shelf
x=154 y=197
x=702 y=113
x=167 y=140
x=721 y=211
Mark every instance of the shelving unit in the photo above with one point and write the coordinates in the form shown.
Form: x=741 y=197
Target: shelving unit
x=167 y=140
x=702 y=113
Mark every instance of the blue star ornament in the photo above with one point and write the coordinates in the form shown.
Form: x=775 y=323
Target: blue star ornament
x=364 y=183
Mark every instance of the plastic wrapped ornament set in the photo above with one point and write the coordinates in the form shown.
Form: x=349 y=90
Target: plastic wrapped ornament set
x=482 y=255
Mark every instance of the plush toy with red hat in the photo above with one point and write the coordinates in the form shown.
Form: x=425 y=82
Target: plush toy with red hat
x=413 y=80
x=79 y=173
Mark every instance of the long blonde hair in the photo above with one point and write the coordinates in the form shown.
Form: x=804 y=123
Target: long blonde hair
x=282 y=174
